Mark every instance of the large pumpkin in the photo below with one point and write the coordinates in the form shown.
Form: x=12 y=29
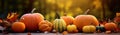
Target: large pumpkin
x=59 y=25
x=31 y=20
x=110 y=26
x=45 y=26
x=68 y=19
x=83 y=20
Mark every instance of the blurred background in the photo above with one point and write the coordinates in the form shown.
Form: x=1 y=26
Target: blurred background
x=102 y=9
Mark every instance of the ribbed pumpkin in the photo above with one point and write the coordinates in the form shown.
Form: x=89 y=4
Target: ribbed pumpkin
x=45 y=26
x=68 y=19
x=59 y=25
x=83 y=20
x=110 y=26
x=31 y=20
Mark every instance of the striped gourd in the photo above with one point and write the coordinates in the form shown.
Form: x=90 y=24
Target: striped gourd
x=59 y=25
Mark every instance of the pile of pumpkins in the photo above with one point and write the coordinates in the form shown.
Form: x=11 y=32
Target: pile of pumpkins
x=32 y=22
x=82 y=23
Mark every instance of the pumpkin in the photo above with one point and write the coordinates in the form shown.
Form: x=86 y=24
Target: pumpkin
x=31 y=20
x=89 y=29
x=18 y=27
x=110 y=26
x=45 y=26
x=83 y=20
x=59 y=25
x=0 y=20
x=68 y=19
x=100 y=28
x=71 y=28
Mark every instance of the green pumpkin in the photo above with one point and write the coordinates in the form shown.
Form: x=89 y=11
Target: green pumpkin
x=100 y=28
x=59 y=25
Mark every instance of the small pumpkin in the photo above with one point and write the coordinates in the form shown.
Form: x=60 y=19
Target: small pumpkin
x=68 y=19
x=100 y=28
x=89 y=29
x=1 y=21
x=110 y=26
x=45 y=26
x=31 y=20
x=18 y=27
x=71 y=28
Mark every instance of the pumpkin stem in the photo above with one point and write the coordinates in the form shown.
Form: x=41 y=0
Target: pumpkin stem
x=71 y=23
x=33 y=10
x=109 y=20
x=87 y=11
x=44 y=19
x=91 y=24
x=65 y=14
x=99 y=24
x=57 y=15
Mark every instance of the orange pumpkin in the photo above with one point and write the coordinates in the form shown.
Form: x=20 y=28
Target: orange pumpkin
x=31 y=21
x=68 y=19
x=83 y=20
x=45 y=26
x=110 y=26
x=18 y=27
x=1 y=21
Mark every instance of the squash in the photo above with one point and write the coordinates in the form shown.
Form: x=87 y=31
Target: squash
x=100 y=28
x=71 y=28
x=59 y=25
x=83 y=20
x=89 y=29
x=31 y=20
x=45 y=26
x=18 y=27
x=110 y=26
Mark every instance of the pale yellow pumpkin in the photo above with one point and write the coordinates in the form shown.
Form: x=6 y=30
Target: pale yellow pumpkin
x=89 y=29
x=71 y=28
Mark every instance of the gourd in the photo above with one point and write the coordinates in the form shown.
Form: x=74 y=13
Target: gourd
x=59 y=25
